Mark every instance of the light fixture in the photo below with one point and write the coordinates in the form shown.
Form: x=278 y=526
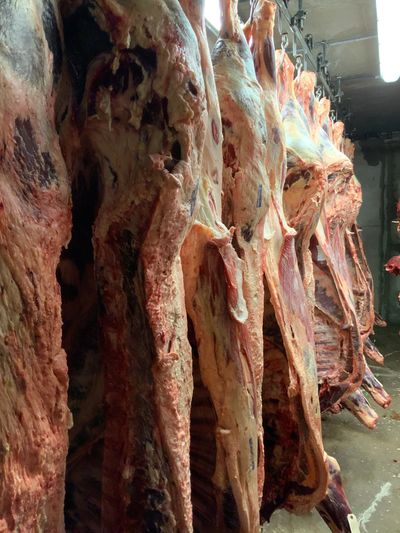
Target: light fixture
x=388 y=15
x=212 y=13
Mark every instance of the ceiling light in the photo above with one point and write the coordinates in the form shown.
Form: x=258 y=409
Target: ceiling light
x=388 y=15
x=212 y=13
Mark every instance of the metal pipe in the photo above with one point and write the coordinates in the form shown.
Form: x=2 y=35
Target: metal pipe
x=360 y=77
x=347 y=41
x=344 y=41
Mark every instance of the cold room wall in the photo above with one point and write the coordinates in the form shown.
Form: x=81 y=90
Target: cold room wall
x=377 y=166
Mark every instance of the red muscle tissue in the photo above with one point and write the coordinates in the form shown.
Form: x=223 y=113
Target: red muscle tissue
x=178 y=245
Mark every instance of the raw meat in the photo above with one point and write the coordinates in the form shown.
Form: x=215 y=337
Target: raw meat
x=85 y=364
x=363 y=293
x=361 y=278
x=305 y=182
x=393 y=265
x=340 y=372
x=214 y=239
x=375 y=388
x=34 y=225
x=305 y=84
x=357 y=404
x=217 y=310
x=296 y=474
x=303 y=197
x=335 y=509
x=141 y=115
x=246 y=191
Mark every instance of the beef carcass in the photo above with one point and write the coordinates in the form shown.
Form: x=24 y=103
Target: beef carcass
x=340 y=372
x=296 y=474
x=361 y=278
x=353 y=272
x=305 y=84
x=363 y=291
x=141 y=112
x=34 y=225
x=225 y=492
x=303 y=197
x=305 y=182
x=245 y=181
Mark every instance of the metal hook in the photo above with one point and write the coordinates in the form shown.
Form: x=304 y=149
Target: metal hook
x=339 y=93
x=320 y=61
x=328 y=78
x=284 y=41
x=299 y=65
x=309 y=40
x=318 y=92
x=299 y=18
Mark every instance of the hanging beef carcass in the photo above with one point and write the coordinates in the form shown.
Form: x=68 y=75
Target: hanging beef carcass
x=34 y=225
x=305 y=182
x=296 y=472
x=302 y=200
x=144 y=142
x=245 y=181
x=353 y=274
x=224 y=469
x=368 y=316
x=361 y=277
x=360 y=282
x=340 y=372
x=141 y=118
x=246 y=190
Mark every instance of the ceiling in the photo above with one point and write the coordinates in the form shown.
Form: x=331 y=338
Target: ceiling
x=349 y=28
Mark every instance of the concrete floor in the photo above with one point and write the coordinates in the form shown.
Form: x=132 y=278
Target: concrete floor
x=369 y=460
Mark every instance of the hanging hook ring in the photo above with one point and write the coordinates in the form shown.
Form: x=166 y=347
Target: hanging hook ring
x=284 y=41
x=299 y=65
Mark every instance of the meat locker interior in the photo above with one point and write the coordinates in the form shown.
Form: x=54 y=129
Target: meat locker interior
x=199 y=266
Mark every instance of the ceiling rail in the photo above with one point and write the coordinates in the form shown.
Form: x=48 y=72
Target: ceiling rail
x=340 y=42
x=306 y=50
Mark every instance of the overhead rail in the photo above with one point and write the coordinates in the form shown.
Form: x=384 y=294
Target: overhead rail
x=319 y=64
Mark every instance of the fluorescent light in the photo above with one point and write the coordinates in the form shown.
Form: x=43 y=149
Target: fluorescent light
x=388 y=14
x=212 y=13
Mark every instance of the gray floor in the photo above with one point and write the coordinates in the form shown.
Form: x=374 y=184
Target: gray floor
x=369 y=460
